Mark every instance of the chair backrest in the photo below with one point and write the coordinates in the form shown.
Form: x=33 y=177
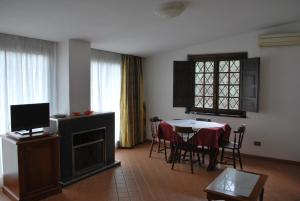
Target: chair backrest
x=239 y=136
x=184 y=133
x=181 y=129
x=154 y=122
x=203 y=119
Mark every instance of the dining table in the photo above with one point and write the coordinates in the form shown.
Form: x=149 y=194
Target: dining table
x=209 y=134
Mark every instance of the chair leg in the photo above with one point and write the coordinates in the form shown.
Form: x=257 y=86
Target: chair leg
x=203 y=155
x=240 y=160
x=151 y=149
x=233 y=158
x=165 y=148
x=199 y=161
x=184 y=155
x=174 y=157
x=191 y=160
x=158 y=149
x=222 y=155
x=179 y=157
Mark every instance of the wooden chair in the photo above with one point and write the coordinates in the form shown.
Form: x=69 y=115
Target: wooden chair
x=203 y=119
x=154 y=122
x=184 y=141
x=235 y=146
x=203 y=148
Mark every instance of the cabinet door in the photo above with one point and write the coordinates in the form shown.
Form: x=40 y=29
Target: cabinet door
x=39 y=166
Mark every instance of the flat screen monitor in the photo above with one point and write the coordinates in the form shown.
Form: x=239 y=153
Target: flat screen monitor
x=29 y=116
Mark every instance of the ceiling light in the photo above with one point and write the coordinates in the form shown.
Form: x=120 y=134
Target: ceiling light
x=171 y=9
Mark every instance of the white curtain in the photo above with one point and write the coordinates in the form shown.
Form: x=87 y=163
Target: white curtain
x=27 y=75
x=106 y=84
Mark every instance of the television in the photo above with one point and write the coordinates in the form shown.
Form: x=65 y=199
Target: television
x=29 y=116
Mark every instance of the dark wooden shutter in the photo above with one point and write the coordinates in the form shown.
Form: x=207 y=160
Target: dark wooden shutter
x=183 y=83
x=250 y=85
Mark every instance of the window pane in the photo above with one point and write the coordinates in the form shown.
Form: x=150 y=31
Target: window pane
x=209 y=78
x=233 y=103
x=223 y=103
x=234 y=78
x=227 y=96
x=209 y=90
x=223 y=90
x=199 y=78
x=208 y=102
x=199 y=67
x=223 y=78
x=209 y=67
x=199 y=90
x=235 y=66
x=199 y=102
x=223 y=66
x=234 y=91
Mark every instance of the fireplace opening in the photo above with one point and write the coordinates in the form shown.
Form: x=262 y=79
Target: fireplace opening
x=88 y=150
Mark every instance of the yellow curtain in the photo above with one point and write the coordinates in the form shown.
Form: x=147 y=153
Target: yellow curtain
x=132 y=102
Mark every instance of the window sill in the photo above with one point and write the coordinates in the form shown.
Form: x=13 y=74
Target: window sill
x=217 y=114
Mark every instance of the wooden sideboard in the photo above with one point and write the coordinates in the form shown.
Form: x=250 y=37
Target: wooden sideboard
x=31 y=167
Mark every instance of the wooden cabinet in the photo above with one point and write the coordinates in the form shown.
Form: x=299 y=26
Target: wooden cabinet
x=31 y=167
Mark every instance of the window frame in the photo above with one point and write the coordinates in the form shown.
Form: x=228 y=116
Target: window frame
x=216 y=58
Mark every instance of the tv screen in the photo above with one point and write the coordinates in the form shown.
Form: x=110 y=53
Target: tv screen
x=29 y=116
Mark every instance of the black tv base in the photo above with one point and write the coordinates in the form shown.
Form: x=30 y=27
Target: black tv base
x=17 y=136
x=30 y=131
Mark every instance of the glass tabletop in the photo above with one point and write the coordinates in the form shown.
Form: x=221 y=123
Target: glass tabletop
x=234 y=182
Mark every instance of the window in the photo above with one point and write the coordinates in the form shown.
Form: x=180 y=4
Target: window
x=27 y=74
x=106 y=84
x=217 y=84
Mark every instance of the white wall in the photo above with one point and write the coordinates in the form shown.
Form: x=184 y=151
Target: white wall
x=79 y=75
x=63 y=95
x=73 y=76
x=276 y=125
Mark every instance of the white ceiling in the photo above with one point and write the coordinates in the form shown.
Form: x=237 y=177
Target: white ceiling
x=130 y=26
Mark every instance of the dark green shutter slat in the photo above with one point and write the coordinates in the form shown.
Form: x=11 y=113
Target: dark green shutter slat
x=183 y=83
x=250 y=85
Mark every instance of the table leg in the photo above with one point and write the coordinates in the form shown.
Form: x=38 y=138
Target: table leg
x=213 y=153
x=170 y=157
x=261 y=196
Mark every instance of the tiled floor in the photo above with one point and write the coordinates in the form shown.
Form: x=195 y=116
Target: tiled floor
x=141 y=178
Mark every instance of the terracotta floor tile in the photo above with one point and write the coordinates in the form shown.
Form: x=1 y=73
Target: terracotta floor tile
x=140 y=178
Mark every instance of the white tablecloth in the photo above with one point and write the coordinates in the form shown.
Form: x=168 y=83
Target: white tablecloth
x=196 y=125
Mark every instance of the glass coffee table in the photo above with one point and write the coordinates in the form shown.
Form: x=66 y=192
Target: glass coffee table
x=237 y=185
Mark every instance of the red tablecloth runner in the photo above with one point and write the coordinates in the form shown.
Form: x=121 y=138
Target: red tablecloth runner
x=205 y=137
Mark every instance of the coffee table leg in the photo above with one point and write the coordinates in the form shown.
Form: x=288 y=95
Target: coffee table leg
x=261 y=196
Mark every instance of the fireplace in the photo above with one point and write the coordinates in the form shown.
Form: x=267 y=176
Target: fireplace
x=87 y=145
x=88 y=150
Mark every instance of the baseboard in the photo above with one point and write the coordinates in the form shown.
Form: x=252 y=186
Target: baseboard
x=259 y=157
x=148 y=141
x=11 y=195
x=271 y=159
